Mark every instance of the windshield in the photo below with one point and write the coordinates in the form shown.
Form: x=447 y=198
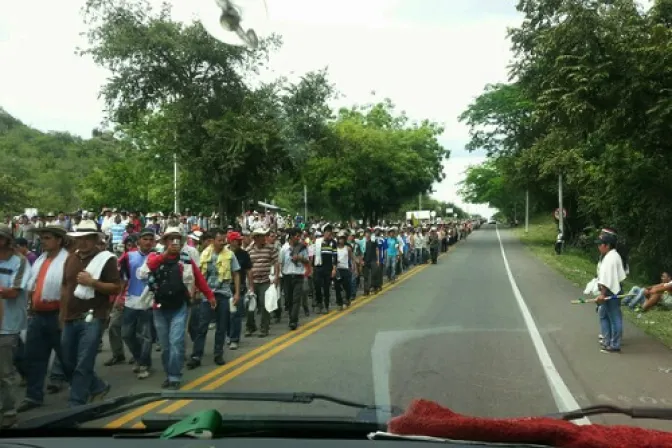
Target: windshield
x=381 y=201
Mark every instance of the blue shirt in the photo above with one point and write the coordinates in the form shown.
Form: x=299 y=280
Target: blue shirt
x=135 y=260
x=117 y=231
x=392 y=249
x=382 y=248
x=14 y=274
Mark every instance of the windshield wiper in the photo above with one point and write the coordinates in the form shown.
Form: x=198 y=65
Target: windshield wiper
x=94 y=411
x=633 y=412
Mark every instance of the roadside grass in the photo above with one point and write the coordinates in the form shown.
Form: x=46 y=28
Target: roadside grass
x=579 y=267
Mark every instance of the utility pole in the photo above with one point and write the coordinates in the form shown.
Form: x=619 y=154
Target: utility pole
x=527 y=210
x=305 y=203
x=561 y=215
x=175 y=192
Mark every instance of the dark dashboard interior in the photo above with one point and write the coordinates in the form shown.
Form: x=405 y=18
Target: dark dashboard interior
x=227 y=442
x=235 y=430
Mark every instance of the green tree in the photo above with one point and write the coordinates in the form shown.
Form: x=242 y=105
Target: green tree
x=591 y=102
x=48 y=166
x=12 y=197
x=175 y=89
x=374 y=161
x=487 y=184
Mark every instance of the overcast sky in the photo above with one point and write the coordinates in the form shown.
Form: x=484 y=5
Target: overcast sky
x=431 y=57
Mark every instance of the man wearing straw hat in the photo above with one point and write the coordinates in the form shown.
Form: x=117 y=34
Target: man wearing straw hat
x=14 y=272
x=90 y=277
x=44 y=333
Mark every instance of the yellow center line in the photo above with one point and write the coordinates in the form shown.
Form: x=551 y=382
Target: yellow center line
x=255 y=362
x=132 y=415
x=282 y=342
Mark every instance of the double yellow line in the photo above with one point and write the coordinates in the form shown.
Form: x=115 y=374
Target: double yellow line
x=221 y=375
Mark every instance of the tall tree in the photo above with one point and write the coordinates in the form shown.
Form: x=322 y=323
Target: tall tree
x=375 y=160
x=176 y=90
x=596 y=82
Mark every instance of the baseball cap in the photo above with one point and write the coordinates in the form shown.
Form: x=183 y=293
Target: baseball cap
x=607 y=238
x=234 y=236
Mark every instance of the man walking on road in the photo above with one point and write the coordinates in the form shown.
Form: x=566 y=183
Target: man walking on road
x=14 y=272
x=44 y=333
x=220 y=268
x=370 y=261
x=136 y=327
x=170 y=276
x=264 y=257
x=90 y=277
x=325 y=261
x=235 y=240
x=293 y=258
x=434 y=244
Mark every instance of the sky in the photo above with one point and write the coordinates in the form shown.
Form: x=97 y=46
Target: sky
x=431 y=57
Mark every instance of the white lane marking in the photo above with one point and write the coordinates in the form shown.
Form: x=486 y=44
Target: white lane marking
x=385 y=341
x=561 y=394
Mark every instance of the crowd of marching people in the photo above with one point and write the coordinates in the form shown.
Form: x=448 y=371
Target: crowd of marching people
x=152 y=281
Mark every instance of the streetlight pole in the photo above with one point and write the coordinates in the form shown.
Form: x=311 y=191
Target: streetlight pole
x=561 y=215
x=175 y=192
x=305 y=203
x=527 y=210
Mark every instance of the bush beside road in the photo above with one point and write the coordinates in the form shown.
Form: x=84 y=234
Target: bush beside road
x=578 y=266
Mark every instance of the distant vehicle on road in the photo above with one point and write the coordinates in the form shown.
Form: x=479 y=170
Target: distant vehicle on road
x=493 y=221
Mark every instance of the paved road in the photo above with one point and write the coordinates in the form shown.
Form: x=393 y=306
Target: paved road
x=456 y=333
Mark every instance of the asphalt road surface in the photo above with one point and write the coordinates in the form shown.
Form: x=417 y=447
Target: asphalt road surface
x=470 y=333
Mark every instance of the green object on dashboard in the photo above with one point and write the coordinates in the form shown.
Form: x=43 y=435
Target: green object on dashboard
x=204 y=424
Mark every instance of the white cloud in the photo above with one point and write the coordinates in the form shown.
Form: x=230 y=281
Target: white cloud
x=431 y=65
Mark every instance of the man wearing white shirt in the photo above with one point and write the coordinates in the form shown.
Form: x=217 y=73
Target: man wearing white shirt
x=293 y=260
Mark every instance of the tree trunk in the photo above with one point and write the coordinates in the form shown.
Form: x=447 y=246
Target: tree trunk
x=222 y=211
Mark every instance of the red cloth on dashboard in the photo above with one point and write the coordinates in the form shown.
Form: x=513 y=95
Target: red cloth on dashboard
x=426 y=418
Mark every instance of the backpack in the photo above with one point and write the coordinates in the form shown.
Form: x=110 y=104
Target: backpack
x=166 y=283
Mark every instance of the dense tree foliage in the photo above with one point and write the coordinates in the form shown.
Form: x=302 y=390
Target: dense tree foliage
x=591 y=99
x=44 y=170
x=174 y=91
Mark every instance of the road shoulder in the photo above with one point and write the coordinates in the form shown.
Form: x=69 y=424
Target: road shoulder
x=636 y=377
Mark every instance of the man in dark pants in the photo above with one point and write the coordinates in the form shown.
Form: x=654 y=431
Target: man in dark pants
x=371 y=260
x=325 y=268
x=434 y=245
x=293 y=258
x=44 y=335
x=81 y=334
x=220 y=268
x=264 y=257
x=235 y=239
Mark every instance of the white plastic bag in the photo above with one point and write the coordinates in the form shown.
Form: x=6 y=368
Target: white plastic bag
x=252 y=302
x=592 y=288
x=271 y=298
